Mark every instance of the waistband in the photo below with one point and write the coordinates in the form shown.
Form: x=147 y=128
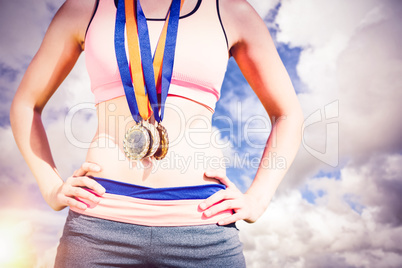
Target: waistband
x=168 y=206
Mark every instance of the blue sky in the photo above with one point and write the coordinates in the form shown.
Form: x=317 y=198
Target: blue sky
x=340 y=202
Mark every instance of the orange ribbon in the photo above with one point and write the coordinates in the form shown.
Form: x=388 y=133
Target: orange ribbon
x=137 y=74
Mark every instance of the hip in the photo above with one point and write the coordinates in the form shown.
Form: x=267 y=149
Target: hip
x=168 y=206
x=93 y=242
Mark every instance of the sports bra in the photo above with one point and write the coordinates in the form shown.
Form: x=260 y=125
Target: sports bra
x=200 y=61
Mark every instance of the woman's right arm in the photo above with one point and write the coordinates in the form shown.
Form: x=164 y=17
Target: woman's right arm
x=58 y=53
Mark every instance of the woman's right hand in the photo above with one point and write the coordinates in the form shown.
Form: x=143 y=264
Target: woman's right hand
x=71 y=193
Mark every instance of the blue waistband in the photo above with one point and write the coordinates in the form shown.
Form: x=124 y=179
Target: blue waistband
x=166 y=193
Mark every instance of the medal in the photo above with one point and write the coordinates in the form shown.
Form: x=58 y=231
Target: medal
x=155 y=138
x=164 y=143
x=141 y=140
x=136 y=142
x=145 y=77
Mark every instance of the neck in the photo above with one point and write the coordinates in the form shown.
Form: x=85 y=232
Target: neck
x=155 y=8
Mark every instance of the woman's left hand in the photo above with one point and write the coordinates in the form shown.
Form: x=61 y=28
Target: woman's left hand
x=245 y=206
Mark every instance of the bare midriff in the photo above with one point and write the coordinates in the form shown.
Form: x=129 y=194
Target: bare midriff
x=191 y=152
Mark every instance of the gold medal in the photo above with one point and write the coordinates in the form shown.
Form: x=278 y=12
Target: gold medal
x=155 y=139
x=164 y=143
x=136 y=142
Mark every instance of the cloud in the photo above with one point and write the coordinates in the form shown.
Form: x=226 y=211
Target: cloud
x=24 y=25
x=263 y=7
x=348 y=53
x=22 y=229
x=23 y=22
x=370 y=85
x=296 y=233
x=68 y=152
x=350 y=56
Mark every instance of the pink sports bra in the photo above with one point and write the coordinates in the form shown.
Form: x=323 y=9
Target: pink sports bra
x=200 y=61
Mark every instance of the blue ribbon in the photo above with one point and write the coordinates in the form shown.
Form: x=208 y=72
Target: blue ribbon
x=122 y=62
x=146 y=58
x=168 y=55
x=147 y=61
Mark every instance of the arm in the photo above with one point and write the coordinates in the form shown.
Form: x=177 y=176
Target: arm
x=58 y=53
x=255 y=53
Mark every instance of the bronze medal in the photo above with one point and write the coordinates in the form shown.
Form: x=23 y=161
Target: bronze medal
x=155 y=139
x=164 y=143
x=136 y=142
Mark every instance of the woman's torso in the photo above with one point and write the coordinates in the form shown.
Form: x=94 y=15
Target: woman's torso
x=200 y=64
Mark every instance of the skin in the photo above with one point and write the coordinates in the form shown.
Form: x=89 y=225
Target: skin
x=253 y=49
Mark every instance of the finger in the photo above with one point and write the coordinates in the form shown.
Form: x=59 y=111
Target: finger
x=231 y=219
x=213 y=199
x=215 y=173
x=219 y=176
x=221 y=207
x=219 y=197
x=71 y=202
x=85 y=168
x=89 y=183
x=82 y=194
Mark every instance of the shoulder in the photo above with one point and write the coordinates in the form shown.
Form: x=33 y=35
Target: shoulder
x=240 y=19
x=236 y=6
x=78 y=8
x=238 y=12
x=73 y=17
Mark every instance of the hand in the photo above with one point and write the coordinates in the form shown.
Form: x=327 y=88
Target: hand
x=71 y=193
x=245 y=206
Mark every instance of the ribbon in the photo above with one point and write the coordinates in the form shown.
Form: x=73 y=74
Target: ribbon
x=159 y=74
x=153 y=76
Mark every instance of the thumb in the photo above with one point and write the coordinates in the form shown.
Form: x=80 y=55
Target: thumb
x=219 y=175
x=85 y=168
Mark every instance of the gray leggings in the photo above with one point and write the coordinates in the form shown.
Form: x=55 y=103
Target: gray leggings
x=93 y=242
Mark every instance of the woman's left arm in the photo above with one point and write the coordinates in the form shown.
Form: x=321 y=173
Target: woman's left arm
x=254 y=51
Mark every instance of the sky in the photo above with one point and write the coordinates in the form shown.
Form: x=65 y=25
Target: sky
x=340 y=203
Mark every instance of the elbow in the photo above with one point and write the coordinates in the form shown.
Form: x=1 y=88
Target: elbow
x=54 y=205
x=13 y=113
x=293 y=115
x=298 y=115
x=292 y=119
x=57 y=208
x=51 y=197
x=20 y=111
